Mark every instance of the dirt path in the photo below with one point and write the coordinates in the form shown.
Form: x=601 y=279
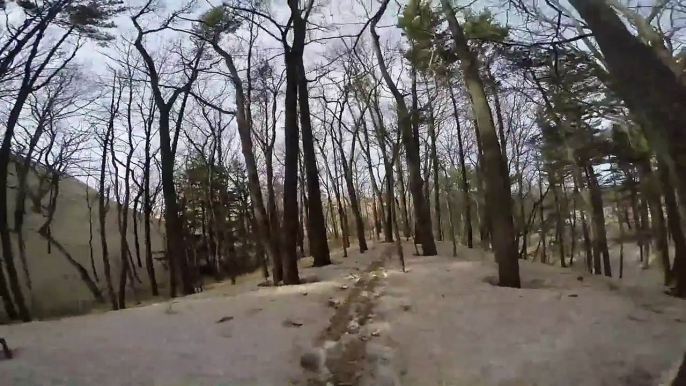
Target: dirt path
x=342 y=344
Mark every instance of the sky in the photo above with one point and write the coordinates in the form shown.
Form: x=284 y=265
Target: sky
x=341 y=17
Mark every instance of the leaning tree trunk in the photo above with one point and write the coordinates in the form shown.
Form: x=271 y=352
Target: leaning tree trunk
x=649 y=88
x=421 y=208
x=263 y=228
x=498 y=193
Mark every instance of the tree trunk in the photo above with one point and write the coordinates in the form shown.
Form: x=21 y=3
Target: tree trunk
x=403 y=198
x=635 y=212
x=466 y=200
x=339 y=203
x=600 y=237
x=421 y=208
x=674 y=222
x=498 y=114
x=379 y=215
x=5 y=238
x=645 y=230
x=303 y=221
x=559 y=223
x=22 y=172
x=484 y=216
x=348 y=177
x=621 y=236
x=136 y=234
x=434 y=157
x=659 y=229
x=263 y=228
x=103 y=207
x=147 y=217
x=498 y=193
x=648 y=87
x=543 y=229
x=316 y=223
x=290 y=187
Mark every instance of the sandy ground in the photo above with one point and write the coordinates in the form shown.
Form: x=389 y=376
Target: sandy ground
x=183 y=343
x=563 y=329
x=441 y=323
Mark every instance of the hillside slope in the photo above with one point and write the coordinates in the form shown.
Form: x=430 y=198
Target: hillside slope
x=57 y=288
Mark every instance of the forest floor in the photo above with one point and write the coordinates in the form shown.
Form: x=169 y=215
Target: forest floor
x=364 y=322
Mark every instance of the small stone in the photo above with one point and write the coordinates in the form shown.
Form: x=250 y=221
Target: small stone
x=304 y=293
x=376 y=333
x=573 y=295
x=406 y=307
x=225 y=319
x=333 y=303
x=344 y=287
x=291 y=323
x=310 y=361
x=580 y=278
